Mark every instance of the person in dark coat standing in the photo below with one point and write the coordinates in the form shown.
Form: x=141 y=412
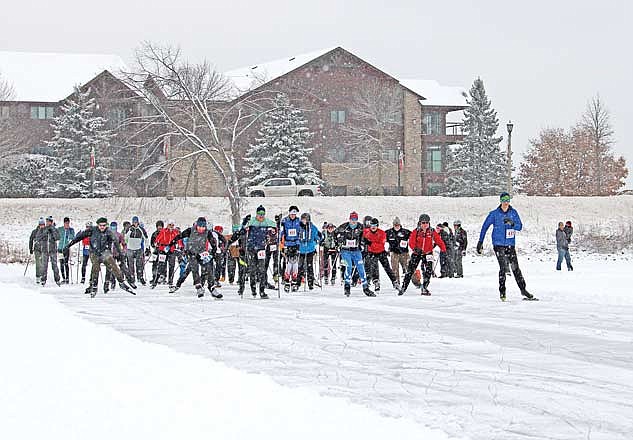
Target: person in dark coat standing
x=461 y=243
x=562 y=246
x=46 y=238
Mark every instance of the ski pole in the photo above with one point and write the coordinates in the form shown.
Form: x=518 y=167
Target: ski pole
x=27 y=264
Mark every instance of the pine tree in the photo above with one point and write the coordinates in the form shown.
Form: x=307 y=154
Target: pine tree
x=28 y=175
x=77 y=132
x=478 y=167
x=280 y=148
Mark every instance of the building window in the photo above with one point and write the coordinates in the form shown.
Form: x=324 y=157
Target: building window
x=337 y=116
x=434 y=158
x=115 y=117
x=433 y=189
x=4 y=112
x=40 y=112
x=432 y=125
x=390 y=155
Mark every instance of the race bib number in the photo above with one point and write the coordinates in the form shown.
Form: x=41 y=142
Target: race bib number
x=261 y=255
x=273 y=247
x=86 y=247
x=350 y=243
x=510 y=233
x=430 y=257
x=162 y=258
x=404 y=244
x=204 y=254
x=292 y=233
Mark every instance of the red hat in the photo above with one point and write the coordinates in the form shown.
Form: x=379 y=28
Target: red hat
x=219 y=229
x=568 y=223
x=353 y=215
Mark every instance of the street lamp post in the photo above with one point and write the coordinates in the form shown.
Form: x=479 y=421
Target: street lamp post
x=509 y=126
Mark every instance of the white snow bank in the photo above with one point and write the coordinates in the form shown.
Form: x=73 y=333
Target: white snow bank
x=63 y=377
x=608 y=217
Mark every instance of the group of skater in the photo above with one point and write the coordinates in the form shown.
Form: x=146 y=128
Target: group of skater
x=284 y=252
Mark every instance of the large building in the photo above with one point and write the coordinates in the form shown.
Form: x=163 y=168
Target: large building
x=372 y=132
x=337 y=90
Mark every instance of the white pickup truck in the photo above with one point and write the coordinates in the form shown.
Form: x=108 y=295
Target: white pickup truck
x=282 y=187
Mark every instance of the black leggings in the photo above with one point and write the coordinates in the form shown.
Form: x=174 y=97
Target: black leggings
x=505 y=255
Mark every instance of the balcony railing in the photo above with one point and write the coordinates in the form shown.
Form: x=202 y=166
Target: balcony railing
x=451 y=129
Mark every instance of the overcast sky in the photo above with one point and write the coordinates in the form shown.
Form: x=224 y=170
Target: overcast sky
x=540 y=60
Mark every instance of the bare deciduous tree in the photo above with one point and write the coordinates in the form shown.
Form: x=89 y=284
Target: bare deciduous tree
x=196 y=108
x=375 y=123
x=596 y=122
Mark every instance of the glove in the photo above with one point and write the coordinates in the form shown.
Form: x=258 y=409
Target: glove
x=463 y=253
x=277 y=218
x=147 y=252
x=246 y=219
x=508 y=222
x=65 y=249
x=480 y=248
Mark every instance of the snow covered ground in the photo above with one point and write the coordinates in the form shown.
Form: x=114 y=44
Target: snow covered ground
x=63 y=377
x=610 y=218
x=459 y=361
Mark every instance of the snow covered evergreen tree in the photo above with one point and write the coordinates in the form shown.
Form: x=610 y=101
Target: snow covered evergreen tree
x=77 y=133
x=477 y=168
x=28 y=175
x=280 y=148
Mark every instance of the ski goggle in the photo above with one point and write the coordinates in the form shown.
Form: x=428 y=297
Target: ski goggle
x=505 y=199
x=294 y=211
x=262 y=213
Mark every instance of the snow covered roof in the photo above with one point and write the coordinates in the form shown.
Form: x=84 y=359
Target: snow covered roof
x=50 y=77
x=435 y=93
x=247 y=78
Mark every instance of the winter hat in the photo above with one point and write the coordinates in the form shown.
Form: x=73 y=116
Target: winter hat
x=306 y=216
x=201 y=222
x=424 y=218
x=171 y=222
x=41 y=221
x=457 y=222
x=330 y=225
x=113 y=225
x=293 y=209
x=66 y=219
x=367 y=219
x=396 y=221
x=49 y=218
x=568 y=223
x=102 y=220
x=260 y=210
x=353 y=216
x=373 y=222
x=219 y=229
x=236 y=228
x=505 y=197
x=135 y=219
x=445 y=224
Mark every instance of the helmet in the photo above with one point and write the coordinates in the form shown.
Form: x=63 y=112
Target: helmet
x=373 y=222
x=219 y=229
x=424 y=218
x=367 y=220
x=135 y=219
x=201 y=222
